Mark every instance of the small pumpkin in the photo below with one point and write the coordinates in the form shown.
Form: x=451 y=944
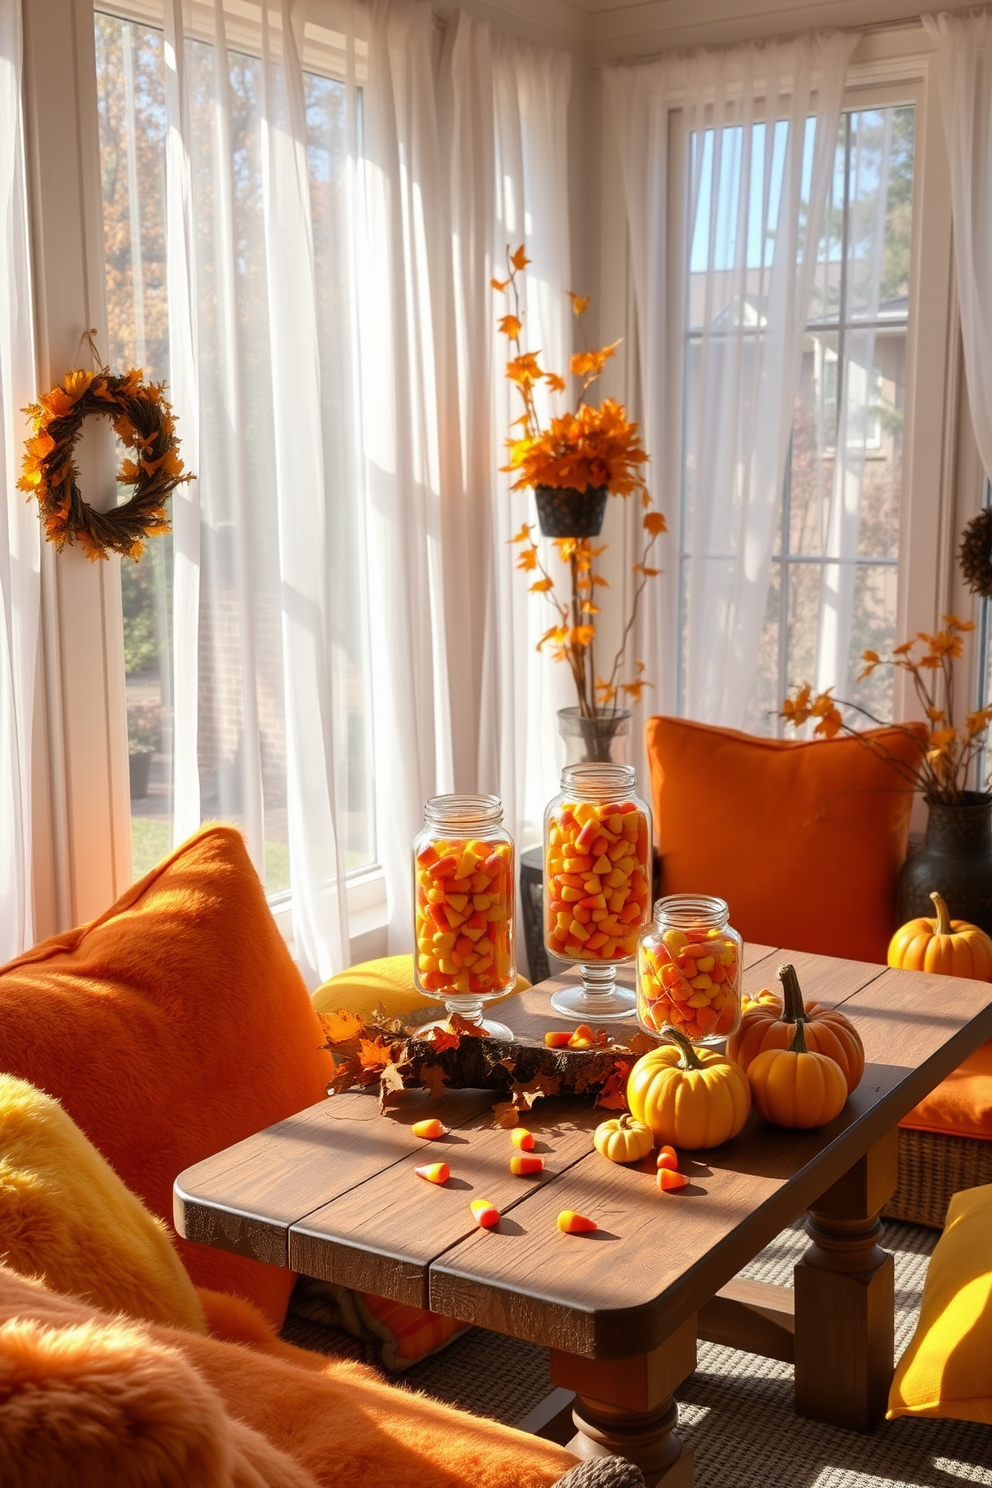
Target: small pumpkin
x=771 y=1024
x=688 y=1097
x=948 y=947
x=623 y=1140
x=796 y=1087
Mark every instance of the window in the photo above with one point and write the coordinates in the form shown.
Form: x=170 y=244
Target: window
x=833 y=585
x=241 y=729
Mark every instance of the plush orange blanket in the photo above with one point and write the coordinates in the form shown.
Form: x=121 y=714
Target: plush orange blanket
x=88 y=1400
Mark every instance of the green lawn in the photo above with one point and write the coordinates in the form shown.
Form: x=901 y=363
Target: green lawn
x=151 y=840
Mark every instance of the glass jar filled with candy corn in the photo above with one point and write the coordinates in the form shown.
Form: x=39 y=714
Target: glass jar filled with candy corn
x=597 y=884
x=689 y=969
x=463 y=869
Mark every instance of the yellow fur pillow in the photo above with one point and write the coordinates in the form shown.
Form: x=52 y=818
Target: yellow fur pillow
x=67 y=1217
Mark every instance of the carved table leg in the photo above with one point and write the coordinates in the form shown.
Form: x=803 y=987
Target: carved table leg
x=625 y=1407
x=845 y=1298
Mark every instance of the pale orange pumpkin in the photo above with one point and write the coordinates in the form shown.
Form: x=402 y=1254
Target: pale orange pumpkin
x=795 y=1087
x=689 y=1097
x=772 y=1025
x=948 y=947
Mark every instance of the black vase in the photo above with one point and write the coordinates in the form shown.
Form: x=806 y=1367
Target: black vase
x=955 y=860
x=564 y=511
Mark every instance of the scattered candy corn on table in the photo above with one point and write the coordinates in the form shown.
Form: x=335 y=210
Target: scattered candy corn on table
x=334 y=1193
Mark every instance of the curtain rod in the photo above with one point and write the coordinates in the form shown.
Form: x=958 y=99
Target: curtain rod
x=906 y=23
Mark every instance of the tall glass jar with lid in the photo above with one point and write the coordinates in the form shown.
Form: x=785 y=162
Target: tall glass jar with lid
x=689 y=969
x=464 y=874
x=597 y=885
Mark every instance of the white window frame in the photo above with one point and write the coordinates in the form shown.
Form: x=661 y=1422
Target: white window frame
x=82 y=819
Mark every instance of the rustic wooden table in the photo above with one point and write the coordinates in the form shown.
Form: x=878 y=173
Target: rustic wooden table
x=332 y=1193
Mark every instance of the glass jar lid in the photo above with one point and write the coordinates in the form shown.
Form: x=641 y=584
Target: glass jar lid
x=599 y=782
x=465 y=813
x=691 y=911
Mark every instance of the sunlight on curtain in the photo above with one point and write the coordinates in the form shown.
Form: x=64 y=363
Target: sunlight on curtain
x=696 y=137
x=964 y=68
x=19 y=531
x=506 y=110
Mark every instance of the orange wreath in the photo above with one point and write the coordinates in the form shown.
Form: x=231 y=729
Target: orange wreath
x=143 y=421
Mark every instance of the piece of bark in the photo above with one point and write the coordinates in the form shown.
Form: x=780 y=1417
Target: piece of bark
x=522 y=1073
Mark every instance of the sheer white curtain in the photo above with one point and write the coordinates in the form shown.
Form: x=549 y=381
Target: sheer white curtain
x=261 y=671
x=19 y=530
x=505 y=117
x=342 y=398
x=727 y=160
x=964 y=66
x=403 y=276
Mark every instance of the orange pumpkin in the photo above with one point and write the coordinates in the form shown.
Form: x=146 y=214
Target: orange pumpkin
x=772 y=1025
x=948 y=947
x=688 y=1097
x=794 y=1087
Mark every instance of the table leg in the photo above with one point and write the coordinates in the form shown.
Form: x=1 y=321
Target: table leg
x=845 y=1298
x=625 y=1407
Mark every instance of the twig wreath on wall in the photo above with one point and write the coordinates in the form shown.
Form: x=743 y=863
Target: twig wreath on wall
x=143 y=421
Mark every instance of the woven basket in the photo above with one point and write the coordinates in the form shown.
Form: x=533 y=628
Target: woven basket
x=932 y=1169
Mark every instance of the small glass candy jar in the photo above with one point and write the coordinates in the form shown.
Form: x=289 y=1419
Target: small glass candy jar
x=463 y=868
x=689 y=969
x=597 y=884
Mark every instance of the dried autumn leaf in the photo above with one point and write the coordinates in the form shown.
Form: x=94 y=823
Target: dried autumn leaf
x=434 y=1078
x=505 y=1115
x=341 y=1027
x=442 y=1038
x=466 y=1027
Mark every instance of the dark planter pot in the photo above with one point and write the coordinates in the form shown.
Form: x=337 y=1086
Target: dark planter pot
x=139 y=764
x=955 y=860
x=565 y=512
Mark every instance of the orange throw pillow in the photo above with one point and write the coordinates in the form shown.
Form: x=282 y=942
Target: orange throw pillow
x=961 y=1105
x=170 y=1027
x=804 y=839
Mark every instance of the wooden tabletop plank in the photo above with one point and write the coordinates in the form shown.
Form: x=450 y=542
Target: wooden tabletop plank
x=658 y=1257
x=245 y=1199
x=382 y=1236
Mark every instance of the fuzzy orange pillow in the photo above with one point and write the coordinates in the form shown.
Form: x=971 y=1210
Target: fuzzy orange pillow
x=169 y=1028
x=804 y=839
x=334 y=1419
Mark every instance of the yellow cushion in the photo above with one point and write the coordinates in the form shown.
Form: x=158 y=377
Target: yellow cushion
x=66 y=1216
x=388 y=980
x=947 y=1369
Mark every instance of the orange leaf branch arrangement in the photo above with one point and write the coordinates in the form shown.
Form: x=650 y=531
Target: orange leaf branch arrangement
x=584 y=453
x=948 y=748
x=143 y=421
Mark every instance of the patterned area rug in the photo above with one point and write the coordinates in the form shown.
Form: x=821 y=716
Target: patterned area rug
x=736 y=1410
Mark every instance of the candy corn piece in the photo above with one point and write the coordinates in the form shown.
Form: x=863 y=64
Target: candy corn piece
x=434 y=1172
x=669 y=1179
x=485 y=1214
x=522 y=1139
x=526 y=1163
x=667 y=1158
x=557 y=1040
x=582 y=1038
x=431 y=1129
x=571 y=1223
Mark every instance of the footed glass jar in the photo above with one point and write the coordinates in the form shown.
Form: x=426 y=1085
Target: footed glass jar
x=689 y=969
x=597 y=884
x=463 y=869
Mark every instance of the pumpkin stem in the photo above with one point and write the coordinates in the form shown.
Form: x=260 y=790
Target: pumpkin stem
x=942 y=924
x=689 y=1058
x=798 y=1045
x=793 y=1008
x=625 y=1121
